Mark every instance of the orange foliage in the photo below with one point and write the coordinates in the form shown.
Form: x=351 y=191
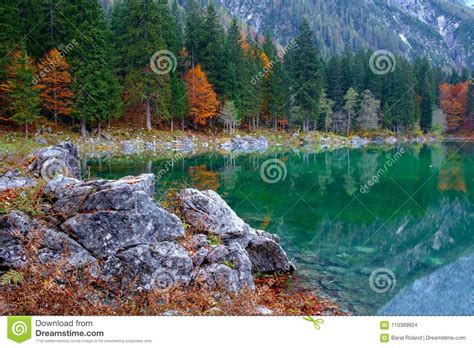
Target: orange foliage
x=243 y=42
x=451 y=175
x=204 y=179
x=56 y=83
x=203 y=102
x=453 y=102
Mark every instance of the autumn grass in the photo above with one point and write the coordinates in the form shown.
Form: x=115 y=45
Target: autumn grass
x=52 y=289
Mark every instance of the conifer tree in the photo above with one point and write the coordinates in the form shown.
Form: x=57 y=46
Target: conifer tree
x=22 y=94
x=306 y=71
x=212 y=53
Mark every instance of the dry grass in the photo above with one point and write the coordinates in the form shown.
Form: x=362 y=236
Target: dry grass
x=55 y=289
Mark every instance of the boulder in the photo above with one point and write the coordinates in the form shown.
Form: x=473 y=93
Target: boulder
x=132 y=147
x=357 y=141
x=108 y=216
x=208 y=212
x=13 y=180
x=16 y=228
x=246 y=144
x=156 y=266
x=62 y=158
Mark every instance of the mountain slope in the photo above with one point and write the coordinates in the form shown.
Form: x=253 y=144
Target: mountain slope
x=441 y=30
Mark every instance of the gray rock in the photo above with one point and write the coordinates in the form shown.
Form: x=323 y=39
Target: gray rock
x=262 y=310
x=159 y=266
x=220 y=277
x=132 y=147
x=246 y=144
x=447 y=291
x=198 y=241
x=104 y=232
x=62 y=158
x=207 y=211
x=41 y=140
x=53 y=245
x=357 y=141
x=13 y=180
x=391 y=140
x=199 y=257
x=266 y=254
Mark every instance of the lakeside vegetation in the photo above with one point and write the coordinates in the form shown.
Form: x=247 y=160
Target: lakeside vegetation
x=157 y=65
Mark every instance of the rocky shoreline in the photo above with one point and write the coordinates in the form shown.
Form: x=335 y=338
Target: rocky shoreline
x=117 y=230
x=242 y=144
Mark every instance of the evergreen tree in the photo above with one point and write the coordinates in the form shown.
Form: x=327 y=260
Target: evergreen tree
x=424 y=89
x=234 y=57
x=213 y=50
x=23 y=95
x=141 y=36
x=195 y=34
x=95 y=87
x=307 y=77
x=469 y=117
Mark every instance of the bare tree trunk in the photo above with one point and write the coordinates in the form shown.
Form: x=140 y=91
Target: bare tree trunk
x=172 y=124
x=148 y=112
x=26 y=129
x=99 y=128
x=83 y=127
x=348 y=123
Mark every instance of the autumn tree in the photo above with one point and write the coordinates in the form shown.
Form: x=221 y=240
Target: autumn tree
x=55 y=85
x=22 y=94
x=453 y=102
x=203 y=103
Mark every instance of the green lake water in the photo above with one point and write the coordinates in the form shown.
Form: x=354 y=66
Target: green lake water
x=342 y=215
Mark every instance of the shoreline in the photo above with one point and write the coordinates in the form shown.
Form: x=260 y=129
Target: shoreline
x=76 y=232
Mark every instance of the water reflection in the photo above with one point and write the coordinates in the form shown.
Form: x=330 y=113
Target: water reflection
x=417 y=218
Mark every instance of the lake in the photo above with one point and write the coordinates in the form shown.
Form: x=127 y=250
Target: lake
x=361 y=225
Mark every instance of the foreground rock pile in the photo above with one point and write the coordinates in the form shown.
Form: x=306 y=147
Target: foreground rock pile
x=117 y=229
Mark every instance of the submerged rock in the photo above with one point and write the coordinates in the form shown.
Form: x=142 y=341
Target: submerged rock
x=447 y=291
